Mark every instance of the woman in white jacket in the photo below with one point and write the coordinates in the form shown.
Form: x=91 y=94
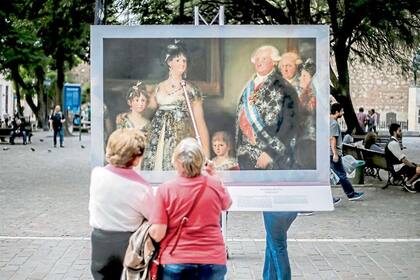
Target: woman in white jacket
x=120 y=200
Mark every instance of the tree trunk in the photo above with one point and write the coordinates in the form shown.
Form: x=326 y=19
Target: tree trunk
x=42 y=116
x=35 y=109
x=342 y=93
x=59 y=90
x=19 y=108
x=59 y=85
x=181 y=10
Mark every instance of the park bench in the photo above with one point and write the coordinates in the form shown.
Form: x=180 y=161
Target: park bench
x=380 y=140
x=374 y=162
x=353 y=150
x=5 y=132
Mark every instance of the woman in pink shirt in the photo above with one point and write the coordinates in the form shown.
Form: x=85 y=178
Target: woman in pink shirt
x=195 y=250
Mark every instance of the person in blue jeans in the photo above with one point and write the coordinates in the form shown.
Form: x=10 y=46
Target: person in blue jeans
x=276 y=263
x=56 y=122
x=336 y=153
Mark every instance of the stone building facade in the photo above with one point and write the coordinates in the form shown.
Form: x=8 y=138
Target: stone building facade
x=386 y=90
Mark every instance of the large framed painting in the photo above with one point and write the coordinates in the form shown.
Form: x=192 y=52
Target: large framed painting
x=255 y=97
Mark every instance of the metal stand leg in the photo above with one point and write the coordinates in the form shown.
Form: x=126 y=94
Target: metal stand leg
x=224 y=231
x=224 y=225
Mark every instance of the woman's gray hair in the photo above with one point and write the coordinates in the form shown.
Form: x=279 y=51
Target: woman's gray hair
x=190 y=156
x=275 y=55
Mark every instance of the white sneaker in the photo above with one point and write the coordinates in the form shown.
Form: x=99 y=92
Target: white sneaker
x=410 y=187
x=306 y=213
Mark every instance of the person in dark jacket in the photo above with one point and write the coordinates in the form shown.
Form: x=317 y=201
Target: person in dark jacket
x=56 y=122
x=18 y=129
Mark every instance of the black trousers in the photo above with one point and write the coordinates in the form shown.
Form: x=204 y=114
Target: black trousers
x=108 y=250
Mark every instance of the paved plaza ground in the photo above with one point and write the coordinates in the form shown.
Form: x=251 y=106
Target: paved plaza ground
x=44 y=230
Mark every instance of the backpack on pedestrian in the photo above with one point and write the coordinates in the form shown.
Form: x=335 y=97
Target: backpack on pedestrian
x=140 y=253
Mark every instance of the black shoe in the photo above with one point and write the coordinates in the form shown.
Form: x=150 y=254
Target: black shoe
x=336 y=200
x=61 y=146
x=55 y=146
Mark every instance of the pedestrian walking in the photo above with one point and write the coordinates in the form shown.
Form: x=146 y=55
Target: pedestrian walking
x=276 y=262
x=362 y=119
x=57 y=120
x=336 y=152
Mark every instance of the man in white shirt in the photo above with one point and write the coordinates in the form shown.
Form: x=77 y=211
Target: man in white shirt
x=399 y=161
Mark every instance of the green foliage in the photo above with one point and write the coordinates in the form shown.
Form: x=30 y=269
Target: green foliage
x=85 y=93
x=373 y=30
x=39 y=36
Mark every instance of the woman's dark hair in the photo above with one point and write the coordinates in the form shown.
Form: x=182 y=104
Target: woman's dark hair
x=309 y=66
x=173 y=50
x=370 y=139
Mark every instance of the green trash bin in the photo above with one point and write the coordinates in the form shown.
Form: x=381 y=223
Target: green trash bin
x=359 y=177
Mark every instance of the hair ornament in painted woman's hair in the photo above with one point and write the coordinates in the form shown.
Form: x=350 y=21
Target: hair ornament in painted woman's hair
x=176 y=46
x=138 y=87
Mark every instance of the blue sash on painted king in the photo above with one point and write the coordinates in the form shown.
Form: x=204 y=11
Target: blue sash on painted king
x=251 y=112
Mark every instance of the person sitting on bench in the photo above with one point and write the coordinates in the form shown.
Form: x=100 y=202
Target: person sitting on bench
x=399 y=162
x=18 y=129
x=371 y=144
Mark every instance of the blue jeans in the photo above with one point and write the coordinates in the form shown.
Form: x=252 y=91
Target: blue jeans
x=276 y=263
x=338 y=169
x=60 y=133
x=193 y=272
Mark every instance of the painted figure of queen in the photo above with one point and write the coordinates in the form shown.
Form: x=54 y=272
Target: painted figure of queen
x=267 y=116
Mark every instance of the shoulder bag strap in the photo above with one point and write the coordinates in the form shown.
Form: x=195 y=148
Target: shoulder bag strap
x=177 y=233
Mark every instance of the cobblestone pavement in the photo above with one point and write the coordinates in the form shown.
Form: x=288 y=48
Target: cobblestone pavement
x=44 y=230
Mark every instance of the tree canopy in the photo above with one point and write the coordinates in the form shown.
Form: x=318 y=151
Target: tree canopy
x=372 y=30
x=41 y=36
